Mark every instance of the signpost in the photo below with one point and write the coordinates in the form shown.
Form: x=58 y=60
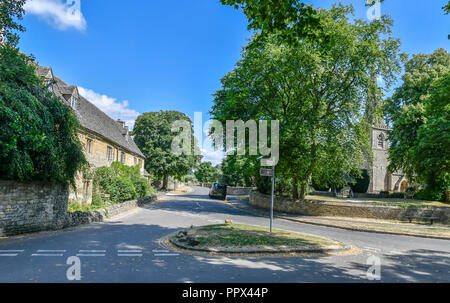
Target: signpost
x=264 y=172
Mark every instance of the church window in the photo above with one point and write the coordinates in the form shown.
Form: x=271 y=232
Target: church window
x=381 y=141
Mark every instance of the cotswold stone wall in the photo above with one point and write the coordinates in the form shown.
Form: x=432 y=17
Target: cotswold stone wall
x=79 y=218
x=238 y=191
x=330 y=209
x=33 y=207
x=29 y=207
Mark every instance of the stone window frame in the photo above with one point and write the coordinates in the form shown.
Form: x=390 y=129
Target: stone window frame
x=122 y=157
x=109 y=153
x=89 y=144
x=380 y=140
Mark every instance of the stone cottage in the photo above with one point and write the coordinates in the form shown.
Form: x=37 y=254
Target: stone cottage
x=104 y=140
x=381 y=179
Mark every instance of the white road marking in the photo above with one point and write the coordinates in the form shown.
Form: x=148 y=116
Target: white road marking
x=160 y=251
x=92 y=251
x=49 y=253
x=129 y=255
x=166 y=255
x=90 y=255
x=10 y=253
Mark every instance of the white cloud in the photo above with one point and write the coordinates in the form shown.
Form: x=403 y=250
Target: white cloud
x=112 y=107
x=215 y=157
x=62 y=15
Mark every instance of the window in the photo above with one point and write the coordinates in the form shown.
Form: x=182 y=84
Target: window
x=109 y=154
x=135 y=161
x=122 y=158
x=49 y=84
x=74 y=102
x=381 y=141
x=140 y=163
x=89 y=146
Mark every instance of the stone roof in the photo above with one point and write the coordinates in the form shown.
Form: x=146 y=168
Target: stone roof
x=91 y=117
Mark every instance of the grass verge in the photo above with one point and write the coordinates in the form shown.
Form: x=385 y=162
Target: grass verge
x=381 y=201
x=248 y=237
x=392 y=228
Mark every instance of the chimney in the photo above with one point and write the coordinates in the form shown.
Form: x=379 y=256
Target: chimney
x=121 y=123
x=124 y=129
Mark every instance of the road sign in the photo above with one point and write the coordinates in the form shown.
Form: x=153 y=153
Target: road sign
x=265 y=172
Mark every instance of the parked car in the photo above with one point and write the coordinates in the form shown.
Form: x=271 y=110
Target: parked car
x=218 y=190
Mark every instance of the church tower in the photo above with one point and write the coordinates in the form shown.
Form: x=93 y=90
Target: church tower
x=380 y=179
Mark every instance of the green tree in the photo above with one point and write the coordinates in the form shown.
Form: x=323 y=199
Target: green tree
x=10 y=12
x=316 y=90
x=419 y=111
x=39 y=137
x=154 y=137
x=206 y=173
x=238 y=170
x=288 y=21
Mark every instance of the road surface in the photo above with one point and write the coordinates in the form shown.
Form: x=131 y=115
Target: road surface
x=128 y=249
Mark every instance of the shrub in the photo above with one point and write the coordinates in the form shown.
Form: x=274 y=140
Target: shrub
x=362 y=183
x=142 y=187
x=121 y=183
x=397 y=195
x=122 y=189
x=318 y=187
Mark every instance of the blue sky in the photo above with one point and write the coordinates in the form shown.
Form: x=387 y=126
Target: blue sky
x=131 y=57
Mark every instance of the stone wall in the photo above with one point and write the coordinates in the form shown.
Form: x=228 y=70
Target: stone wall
x=238 y=191
x=79 y=218
x=29 y=207
x=33 y=207
x=337 y=209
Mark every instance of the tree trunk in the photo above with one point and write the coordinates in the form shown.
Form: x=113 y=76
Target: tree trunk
x=294 y=188
x=165 y=182
x=303 y=191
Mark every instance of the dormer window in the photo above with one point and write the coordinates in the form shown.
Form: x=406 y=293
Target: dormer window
x=49 y=84
x=74 y=102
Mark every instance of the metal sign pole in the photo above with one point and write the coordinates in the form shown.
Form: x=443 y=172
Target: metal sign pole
x=271 y=203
